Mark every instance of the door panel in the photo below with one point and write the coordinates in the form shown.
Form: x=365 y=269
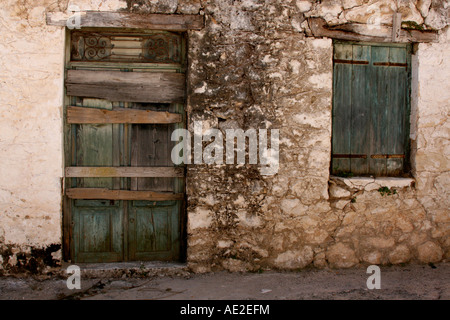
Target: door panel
x=151 y=146
x=98 y=230
x=154 y=228
x=94 y=145
x=94 y=149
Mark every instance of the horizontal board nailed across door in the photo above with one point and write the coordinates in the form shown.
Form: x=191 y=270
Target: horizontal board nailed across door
x=124 y=172
x=120 y=115
x=106 y=194
x=155 y=87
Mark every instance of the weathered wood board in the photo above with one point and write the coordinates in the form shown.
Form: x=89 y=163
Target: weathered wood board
x=156 y=87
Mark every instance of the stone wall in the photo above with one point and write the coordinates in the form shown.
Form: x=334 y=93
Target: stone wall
x=252 y=66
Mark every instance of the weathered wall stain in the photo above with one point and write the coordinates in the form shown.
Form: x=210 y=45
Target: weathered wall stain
x=32 y=261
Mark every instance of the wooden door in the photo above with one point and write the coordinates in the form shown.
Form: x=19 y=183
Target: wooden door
x=123 y=195
x=371 y=90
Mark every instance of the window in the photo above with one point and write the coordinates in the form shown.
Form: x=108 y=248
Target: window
x=371 y=93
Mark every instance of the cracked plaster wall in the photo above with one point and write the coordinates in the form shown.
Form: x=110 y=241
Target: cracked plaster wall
x=250 y=67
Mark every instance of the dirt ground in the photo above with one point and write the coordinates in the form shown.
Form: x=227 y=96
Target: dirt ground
x=411 y=282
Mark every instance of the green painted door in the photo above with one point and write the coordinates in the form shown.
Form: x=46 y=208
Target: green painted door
x=117 y=230
x=98 y=234
x=371 y=89
x=124 y=201
x=151 y=226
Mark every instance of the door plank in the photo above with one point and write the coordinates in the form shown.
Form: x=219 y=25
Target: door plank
x=99 y=193
x=157 y=87
x=106 y=77
x=119 y=115
x=94 y=147
x=150 y=147
x=124 y=172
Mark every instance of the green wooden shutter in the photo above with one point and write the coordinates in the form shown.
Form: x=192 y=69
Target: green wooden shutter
x=370 y=109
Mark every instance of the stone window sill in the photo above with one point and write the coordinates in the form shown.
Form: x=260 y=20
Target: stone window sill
x=370 y=183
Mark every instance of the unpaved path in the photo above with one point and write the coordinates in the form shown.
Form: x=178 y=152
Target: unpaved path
x=408 y=282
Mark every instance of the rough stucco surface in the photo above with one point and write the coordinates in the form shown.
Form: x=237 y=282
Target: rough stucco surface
x=250 y=67
x=31 y=56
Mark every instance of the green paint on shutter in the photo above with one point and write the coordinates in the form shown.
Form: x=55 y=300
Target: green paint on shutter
x=341 y=107
x=379 y=113
x=360 y=85
x=370 y=109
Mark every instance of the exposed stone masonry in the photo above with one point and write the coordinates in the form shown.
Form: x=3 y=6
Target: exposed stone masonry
x=254 y=65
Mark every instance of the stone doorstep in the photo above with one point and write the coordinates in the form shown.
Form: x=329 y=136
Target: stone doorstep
x=128 y=269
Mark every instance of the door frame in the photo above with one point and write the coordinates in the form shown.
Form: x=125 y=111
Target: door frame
x=68 y=251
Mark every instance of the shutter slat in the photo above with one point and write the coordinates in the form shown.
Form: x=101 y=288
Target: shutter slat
x=341 y=108
x=379 y=103
x=360 y=99
x=396 y=111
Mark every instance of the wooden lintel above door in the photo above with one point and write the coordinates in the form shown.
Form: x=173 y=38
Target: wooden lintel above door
x=103 y=19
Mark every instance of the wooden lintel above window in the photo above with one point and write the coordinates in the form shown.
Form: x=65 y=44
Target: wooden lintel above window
x=101 y=19
x=361 y=32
